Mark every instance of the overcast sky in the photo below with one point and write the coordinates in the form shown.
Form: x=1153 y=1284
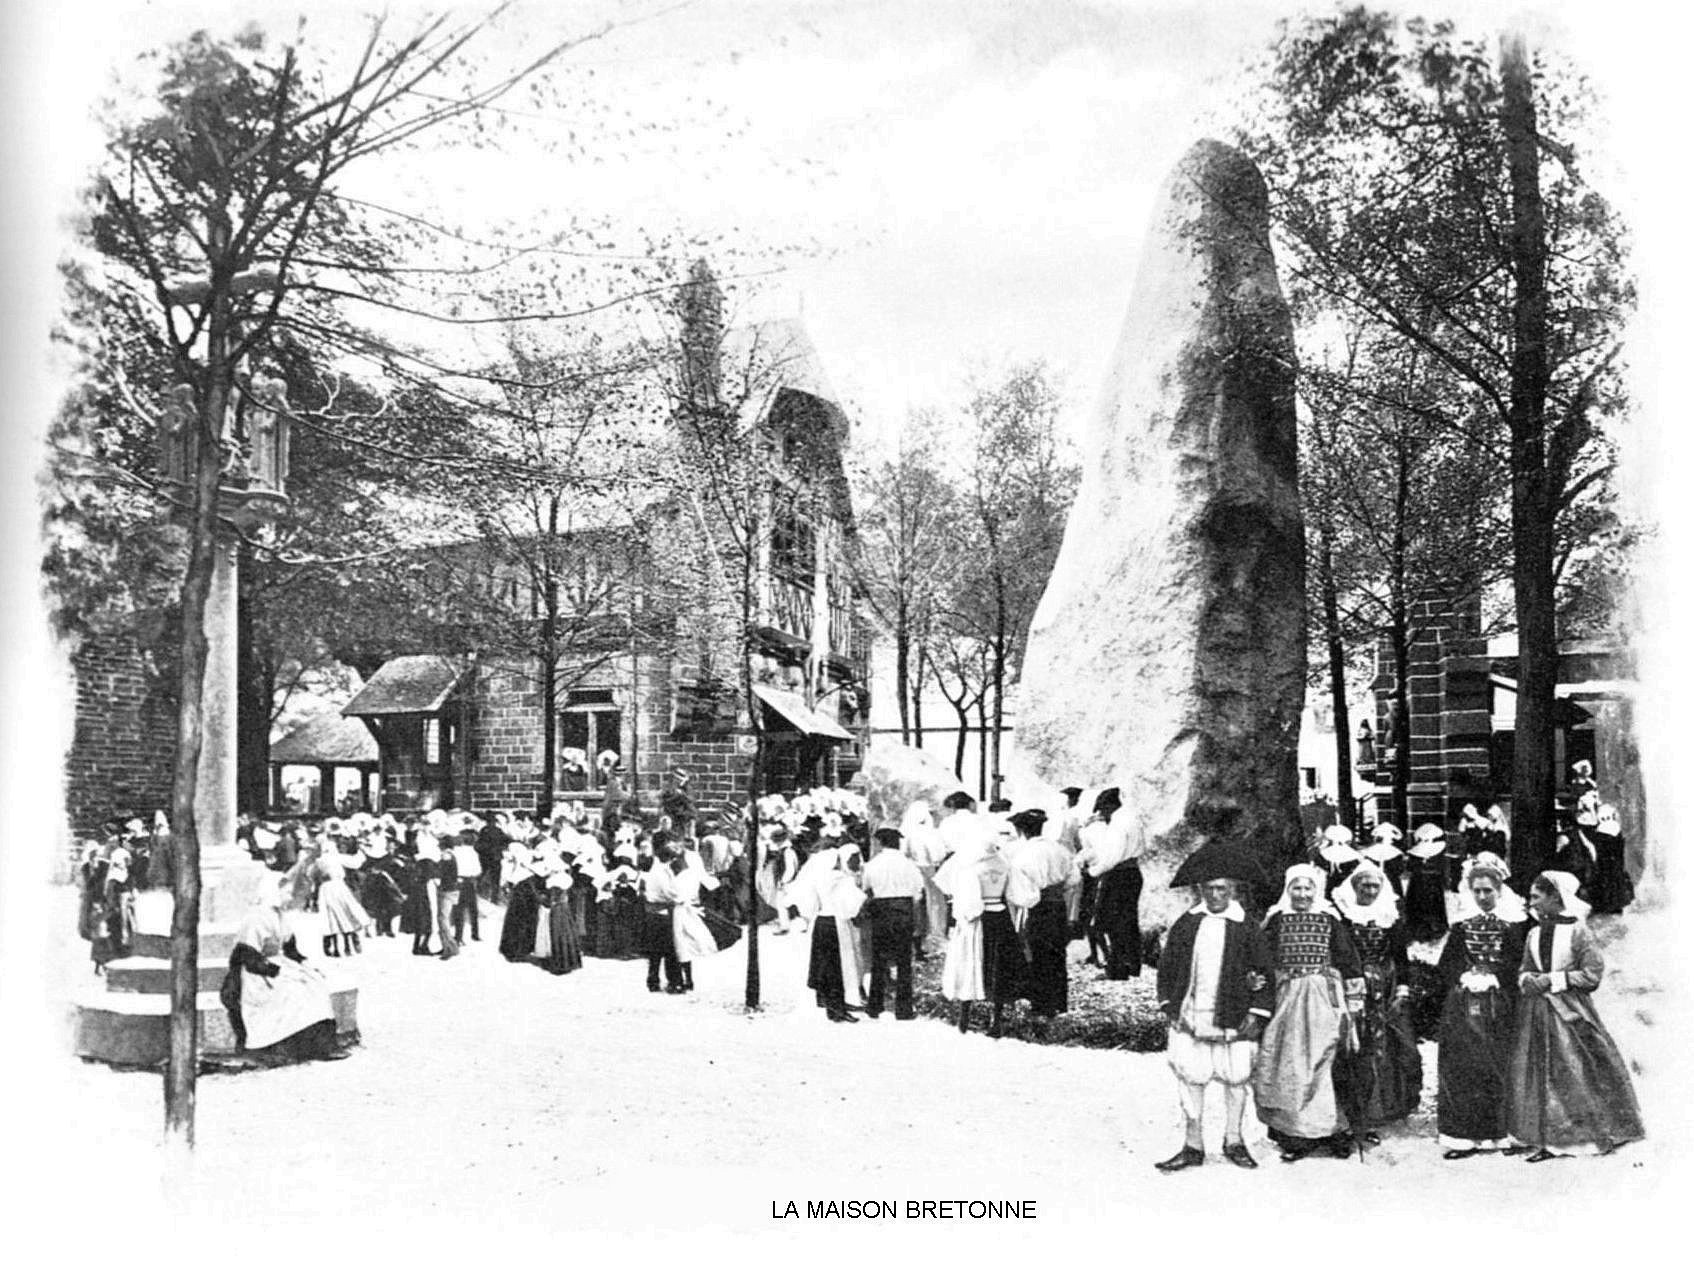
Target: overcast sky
x=977 y=174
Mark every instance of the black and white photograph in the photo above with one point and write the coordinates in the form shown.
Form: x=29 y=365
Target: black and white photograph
x=993 y=638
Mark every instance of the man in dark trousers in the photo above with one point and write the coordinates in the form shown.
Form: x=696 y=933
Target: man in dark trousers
x=1216 y=986
x=894 y=886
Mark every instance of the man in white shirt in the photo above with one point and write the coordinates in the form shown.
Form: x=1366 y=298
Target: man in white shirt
x=895 y=886
x=1110 y=854
x=1066 y=828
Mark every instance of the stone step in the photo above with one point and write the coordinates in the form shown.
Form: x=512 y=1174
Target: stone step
x=216 y=942
x=132 y=1028
x=152 y=975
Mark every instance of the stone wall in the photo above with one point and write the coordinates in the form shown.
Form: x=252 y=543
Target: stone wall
x=124 y=745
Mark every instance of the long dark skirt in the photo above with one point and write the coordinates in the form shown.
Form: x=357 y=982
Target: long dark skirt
x=1473 y=1064
x=1610 y=888
x=523 y=912
x=416 y=914
x=1385 y=1077
x=1117 y=915
x=1426 y=904
x=1047 y=932
x=823 y=969
x=1569 y=1086
x=617 y=928
x=1003 y=965
x=564 y=946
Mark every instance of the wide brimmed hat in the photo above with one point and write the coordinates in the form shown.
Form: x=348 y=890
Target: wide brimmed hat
x=136 y=827
x=1219 y=859
x=1380 y=852
x=1430 y=840
x=888 y=835
x=1072 y=793
x=1387 y=831
x=1029 y=819
x=1338 y=834
x=1111 y=795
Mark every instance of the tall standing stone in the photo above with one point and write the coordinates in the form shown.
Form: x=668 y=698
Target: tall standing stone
x=1168 y=654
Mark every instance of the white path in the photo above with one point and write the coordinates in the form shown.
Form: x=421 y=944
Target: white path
x=526 y=1110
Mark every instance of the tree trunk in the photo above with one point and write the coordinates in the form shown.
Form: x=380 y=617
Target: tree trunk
x=182 y=1063
x=917 y=699
x=964 y=716
x=999 y=675
x=902 y=668
x=751 y=998
x=982 y=735
x=1400 y=642
x=1534 y=495
x=1337 y=682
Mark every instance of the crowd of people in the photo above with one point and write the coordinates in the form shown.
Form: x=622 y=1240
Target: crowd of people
x=1306 y=1005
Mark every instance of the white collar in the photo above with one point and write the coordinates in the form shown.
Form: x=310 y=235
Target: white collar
x=1232 y=912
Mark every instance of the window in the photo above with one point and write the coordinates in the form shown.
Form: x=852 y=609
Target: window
x=432 y=740
x=794 y=549
x=589 y=726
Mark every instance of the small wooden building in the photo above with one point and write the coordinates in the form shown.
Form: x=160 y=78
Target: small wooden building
x=326 y=743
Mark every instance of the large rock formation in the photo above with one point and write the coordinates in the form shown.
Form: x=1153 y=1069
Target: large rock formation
x=1168 y=653
x=894 y=775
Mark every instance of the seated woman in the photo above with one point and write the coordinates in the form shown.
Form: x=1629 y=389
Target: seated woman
x=1478 y=970
x=1387 y=1075
x=279 y=1007
x=1569 y=1092
x=1318 y=986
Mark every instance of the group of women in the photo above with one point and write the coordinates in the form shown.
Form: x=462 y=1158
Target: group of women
x=1524 y=1065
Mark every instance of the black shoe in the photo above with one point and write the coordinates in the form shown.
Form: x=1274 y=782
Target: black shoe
x=1516 y=1150
x=1237 y=1154
x=1541 y=1154
x=873 y=1013
x=904 y=1018
x=1186 y=1159
x=1459 y=1154
x=652 y=986
x=841 y=1016
x=675 y=989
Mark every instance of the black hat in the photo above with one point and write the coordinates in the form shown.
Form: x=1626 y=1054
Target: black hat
x=1219 y=859
x=958 y=799
x=1072 y=793
x=1030 y=821
x=1111 y=795
x=888 y=836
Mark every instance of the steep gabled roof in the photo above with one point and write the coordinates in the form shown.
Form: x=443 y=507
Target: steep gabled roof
x=407 y=685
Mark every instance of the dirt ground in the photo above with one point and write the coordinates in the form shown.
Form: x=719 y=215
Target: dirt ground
x=494 y=1108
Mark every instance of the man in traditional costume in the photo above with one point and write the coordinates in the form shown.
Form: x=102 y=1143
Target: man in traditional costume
x=1049 y=869
x=1111 y=854
x=895 y=888
x=1215 y=992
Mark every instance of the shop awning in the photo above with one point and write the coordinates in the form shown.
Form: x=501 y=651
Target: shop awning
x=792 y=709
x=407 y=685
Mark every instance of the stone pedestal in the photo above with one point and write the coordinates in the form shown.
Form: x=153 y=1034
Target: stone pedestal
x=128 y=1023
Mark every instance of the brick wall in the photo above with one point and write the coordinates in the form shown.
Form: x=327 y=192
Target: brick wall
x=124 y=744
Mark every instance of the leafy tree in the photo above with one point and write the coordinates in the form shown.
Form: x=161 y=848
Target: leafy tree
x=907 y=556
x=1437 y=193
x=216 y=197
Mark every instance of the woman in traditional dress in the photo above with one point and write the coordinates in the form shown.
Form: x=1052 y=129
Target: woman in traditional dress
x=1610 y=887
x=1478 y=970
x=1569 y=1092
x=920 y=843
x=1386 y=1077
x=1426 y=884
x=984 y=957
x=1319 y=989
x=558 y=949
x=830 y=897
x=1047 y=871
x=617 y=919
x=1384 y=851
x=694 y=940
x=344 y=919
x=1337 y=858
x=279 y=1006
x=519 y=875
x=417 y=916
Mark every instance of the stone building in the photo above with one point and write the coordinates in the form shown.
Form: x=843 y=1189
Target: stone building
x=1462 y=689
x=123 y=744
x=653 y=679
